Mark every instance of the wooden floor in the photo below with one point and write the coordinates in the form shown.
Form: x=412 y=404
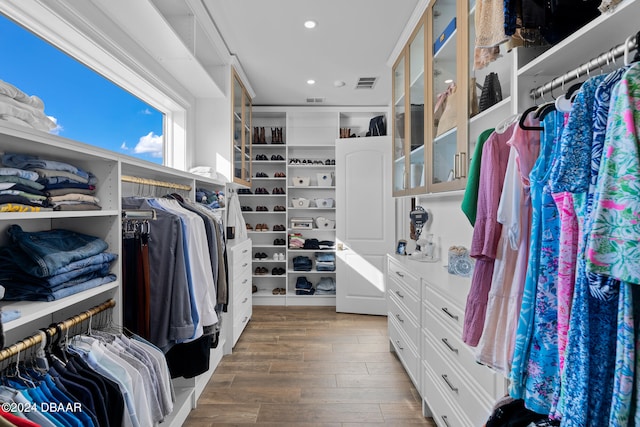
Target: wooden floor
x=310 y=366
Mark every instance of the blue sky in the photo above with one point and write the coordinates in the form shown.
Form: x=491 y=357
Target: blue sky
x=86 y=106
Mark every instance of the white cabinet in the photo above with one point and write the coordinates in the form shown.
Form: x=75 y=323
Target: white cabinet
x=240 y=304
x=426 y=314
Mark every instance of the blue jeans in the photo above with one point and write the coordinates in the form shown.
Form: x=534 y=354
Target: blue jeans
x=49 y=251
x=26 y=161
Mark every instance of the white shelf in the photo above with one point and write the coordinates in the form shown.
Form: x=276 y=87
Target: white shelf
x=268 y=179
x=310 y=272
x=34 y=310
x=312 y=209
x=269 y=162
x=312 y=187
x=269 y=145
x=297 y=165
x=13 y=216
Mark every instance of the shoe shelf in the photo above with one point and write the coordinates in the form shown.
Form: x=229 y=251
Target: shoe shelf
x=265 y=232
x=311 y=250
x=269 y=178
x=302 y=273
x=303 y=166
x=268 y=145
x=312 y=208
x=313 y=187
x=269 y=162
x=267 y=261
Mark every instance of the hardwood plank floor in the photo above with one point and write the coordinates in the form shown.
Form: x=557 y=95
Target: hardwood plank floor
x=310 y=367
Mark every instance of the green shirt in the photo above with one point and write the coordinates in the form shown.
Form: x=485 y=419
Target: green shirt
x=470 y=199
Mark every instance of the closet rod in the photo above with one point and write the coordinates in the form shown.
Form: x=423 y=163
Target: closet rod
x=33 y=340
x=138 y=214
x=155 y=183
x=603 y=59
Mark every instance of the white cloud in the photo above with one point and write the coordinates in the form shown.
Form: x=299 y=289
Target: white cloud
x=146 y=112
x=123 y=146
x=150 y=144
x=56 y=130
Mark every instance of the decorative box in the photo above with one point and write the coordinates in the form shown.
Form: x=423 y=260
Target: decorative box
x=302 y=223
x=300 y=202
x=442 y=38
x=324 y=203
x=325 y=223
x=325 y=179
x=300 y=181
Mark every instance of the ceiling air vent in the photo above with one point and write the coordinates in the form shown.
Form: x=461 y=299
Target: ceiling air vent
x=366 y=82
x=315 y=100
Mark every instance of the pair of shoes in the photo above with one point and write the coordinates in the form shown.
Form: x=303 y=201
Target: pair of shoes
x=261 y=175
x=254 y=289
x=279 y=175
x=277 y=157
x=262 y=209
x=279 y=208
x=294 y=161
x=261 y=190
x=330 y=162
x=279 y=291
x=244 y=191
x=278 y=256
x=278 y=271
x=262 y=227
x=278 y=190
x=279 y=228
x=261 y=157
x=246 y=208
x=276 y=136
x=279 y=242
x=249 y=227
x=260 y=255
x=259 y=136
x=261 y=271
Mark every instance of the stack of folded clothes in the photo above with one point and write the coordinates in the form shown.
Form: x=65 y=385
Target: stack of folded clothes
x=326 y=286
x=302 y=263
x=69 y=188
x=318 y=244
x=50 y=265
x=325 y=261
x=304 y=287
x=296 y=241
x=214 y=200
x=18 y=107
x=326 y=244
x=20 y=191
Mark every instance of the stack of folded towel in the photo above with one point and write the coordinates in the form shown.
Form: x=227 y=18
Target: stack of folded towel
x=68 y=187
x=304 y=287
x=18 y=107
x=326 y=286
x=325 y=261
x=53 y=264
x=296 y=241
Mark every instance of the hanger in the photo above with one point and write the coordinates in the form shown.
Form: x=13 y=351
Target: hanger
x=636 y=57
x=563 y=104
x=626 y=51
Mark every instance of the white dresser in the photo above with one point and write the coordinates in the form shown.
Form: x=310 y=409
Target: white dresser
x=240 y=302
x=426 y=313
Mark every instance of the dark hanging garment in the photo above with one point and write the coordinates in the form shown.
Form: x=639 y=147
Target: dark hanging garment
x=190 y=359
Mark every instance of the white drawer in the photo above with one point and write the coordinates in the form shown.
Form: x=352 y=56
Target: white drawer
x=459 y=353
x=444 y=413
x=241 y=258
x=240 y=322
x=449 y=313
x=242 y=286
x=408 y=300
x=406 y=352
x=410 y=280
x=475 y=405
x=405 y=321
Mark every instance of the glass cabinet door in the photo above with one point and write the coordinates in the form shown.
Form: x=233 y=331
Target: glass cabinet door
x=246 y=127
x=238 y=153
x=399 y=121
x=416 y=114
x=444 y=154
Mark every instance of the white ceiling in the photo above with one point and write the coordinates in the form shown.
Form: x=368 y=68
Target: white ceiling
x=353 y=39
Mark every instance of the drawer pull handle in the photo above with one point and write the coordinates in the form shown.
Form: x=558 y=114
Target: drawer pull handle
x=244 y=265
x=452 y=348
x=399 y=346
x=399 y=274
x=247 y=299
x=448 y=313
x=444 y=420
x=446 y=380
x=245 y=281
x=399 y=294
x=245 y=251
x=399 y=318
x=245 y=319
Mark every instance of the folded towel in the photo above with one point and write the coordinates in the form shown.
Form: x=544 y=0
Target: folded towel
x=9 y=90
x=35 y=118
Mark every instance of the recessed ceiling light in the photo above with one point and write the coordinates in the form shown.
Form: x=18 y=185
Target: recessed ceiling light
x=448 y=81
x=310 y=24
x=339 y=83
x=311 y=82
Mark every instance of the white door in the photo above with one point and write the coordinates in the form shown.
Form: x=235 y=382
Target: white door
x=365 y=223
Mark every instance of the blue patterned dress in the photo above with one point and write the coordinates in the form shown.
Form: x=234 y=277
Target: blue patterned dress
x=534 y=373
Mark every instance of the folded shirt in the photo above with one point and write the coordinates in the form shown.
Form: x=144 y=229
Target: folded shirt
x=30 y=175
x=27 y=161
x=51 y=173
x=17 y=207
x=76 y=197
x=12 y=198
x=76 y=206
x=53 y=192
x=326 y=284
x=22 y=181
x=325 y=256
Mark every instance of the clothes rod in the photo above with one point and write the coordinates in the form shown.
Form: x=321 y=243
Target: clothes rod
x=603 y=59
x=33 y=340
x=139 y=214
x=155 y=183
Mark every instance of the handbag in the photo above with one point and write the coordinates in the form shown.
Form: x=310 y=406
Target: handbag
x=444 y=113
x=491 y=92
x=474 y=107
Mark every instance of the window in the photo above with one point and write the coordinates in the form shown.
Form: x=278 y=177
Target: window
x=85 y=106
